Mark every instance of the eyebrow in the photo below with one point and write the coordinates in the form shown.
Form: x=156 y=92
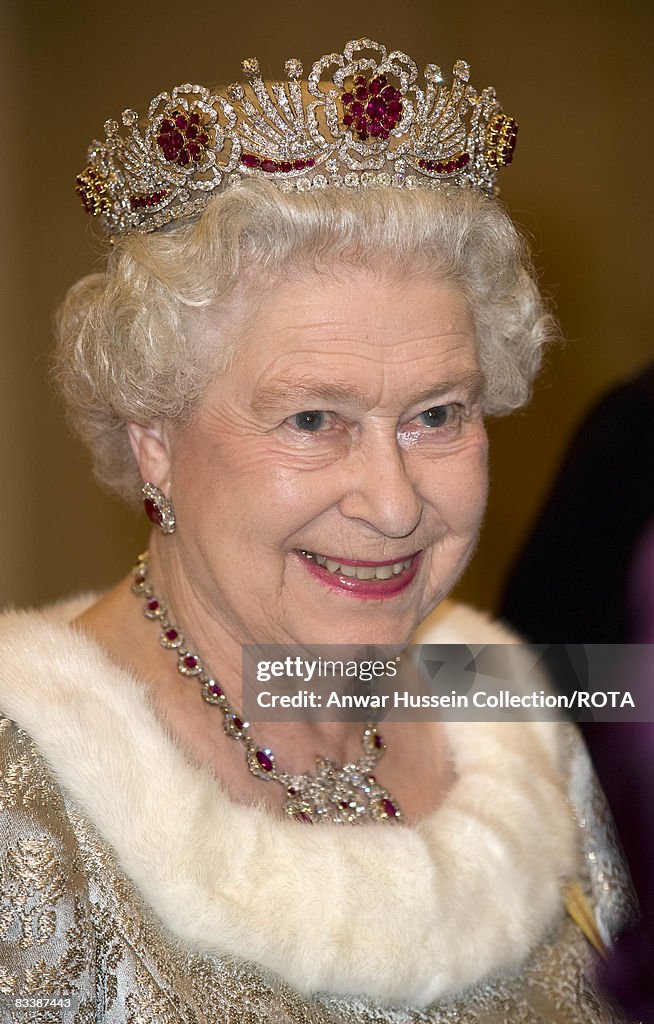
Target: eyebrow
x=280 y=391
x=471 y=381
x=306 y=389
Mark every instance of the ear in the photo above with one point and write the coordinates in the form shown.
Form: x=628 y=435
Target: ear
x=152 y=453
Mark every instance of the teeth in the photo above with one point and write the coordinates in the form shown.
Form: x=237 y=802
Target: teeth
x=366 y=572
x=361 y=572
x=348 y=570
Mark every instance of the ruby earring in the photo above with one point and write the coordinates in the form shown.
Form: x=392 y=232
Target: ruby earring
x=158 y=508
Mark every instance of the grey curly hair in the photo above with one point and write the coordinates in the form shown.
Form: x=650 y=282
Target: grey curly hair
x=129 y=347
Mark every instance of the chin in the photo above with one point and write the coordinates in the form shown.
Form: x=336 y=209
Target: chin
x=388 y=632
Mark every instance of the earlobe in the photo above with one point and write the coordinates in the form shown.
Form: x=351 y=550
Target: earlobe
x=151 y=451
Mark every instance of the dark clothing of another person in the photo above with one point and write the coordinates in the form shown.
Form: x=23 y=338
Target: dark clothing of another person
x=574 y=584
x=570 y=583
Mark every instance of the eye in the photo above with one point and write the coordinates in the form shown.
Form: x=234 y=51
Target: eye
x=438 y=415
x=309 y=421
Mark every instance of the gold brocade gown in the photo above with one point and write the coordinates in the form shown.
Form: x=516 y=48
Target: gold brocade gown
x=73 y=925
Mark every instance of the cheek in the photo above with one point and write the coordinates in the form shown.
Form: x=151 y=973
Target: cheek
x=253 y=489
x=456 y=487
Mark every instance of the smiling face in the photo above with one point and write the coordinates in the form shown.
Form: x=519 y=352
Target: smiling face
x=331 y=488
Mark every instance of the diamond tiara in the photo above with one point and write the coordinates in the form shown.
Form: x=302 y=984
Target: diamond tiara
x=359 y=119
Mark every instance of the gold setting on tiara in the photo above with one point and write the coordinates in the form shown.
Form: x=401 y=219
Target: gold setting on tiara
x=359 y=119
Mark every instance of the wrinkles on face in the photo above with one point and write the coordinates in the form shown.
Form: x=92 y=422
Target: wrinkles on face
x=379 y=476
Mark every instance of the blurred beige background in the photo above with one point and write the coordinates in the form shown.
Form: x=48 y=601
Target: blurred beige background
x=576 y=76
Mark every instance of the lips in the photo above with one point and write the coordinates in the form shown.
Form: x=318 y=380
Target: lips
x=359 y=578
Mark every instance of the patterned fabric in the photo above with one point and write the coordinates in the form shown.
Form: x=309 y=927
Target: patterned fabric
x=72 y=924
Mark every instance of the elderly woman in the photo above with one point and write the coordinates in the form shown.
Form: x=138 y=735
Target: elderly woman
x=311 y=302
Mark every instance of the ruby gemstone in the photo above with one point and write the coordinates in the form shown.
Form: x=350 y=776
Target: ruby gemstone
x=238 y=723
x=215 y=690
x=264 y=761
x=171 y=634
x=286 y=166
x=378 y=742
x=194 y=118
x=269 y=166
x=361 y=93
x=389 y=808
x=191 y=661
x=310 y=162
x=152 y=512
x=181 y=121
x=139 y=580
x=347 y=98
x=153 y=605
x=250 y=160
x=376 y=108
x=359 y=80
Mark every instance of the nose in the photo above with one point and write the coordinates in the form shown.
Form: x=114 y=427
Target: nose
x=380 y=490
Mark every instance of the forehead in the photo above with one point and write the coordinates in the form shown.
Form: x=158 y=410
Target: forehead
x=355 y=321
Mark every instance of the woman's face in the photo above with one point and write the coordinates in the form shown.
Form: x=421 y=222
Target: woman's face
x=332 y=486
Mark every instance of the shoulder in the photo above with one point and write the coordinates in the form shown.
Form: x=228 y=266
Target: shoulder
x=44 y=659
x=27 y=636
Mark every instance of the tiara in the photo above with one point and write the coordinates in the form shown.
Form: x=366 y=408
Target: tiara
x=360 y=118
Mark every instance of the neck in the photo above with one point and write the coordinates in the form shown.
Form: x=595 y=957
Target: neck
x=415 y=768
x=118 y=623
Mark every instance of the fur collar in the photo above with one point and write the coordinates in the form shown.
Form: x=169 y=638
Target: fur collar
x=399 y=914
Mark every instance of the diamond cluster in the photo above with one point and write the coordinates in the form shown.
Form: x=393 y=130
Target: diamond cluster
x=360 y=118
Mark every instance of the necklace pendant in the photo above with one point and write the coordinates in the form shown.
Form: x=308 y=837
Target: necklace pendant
x=342 y=795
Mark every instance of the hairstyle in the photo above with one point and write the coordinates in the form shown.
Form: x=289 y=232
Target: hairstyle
x=130 y=342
